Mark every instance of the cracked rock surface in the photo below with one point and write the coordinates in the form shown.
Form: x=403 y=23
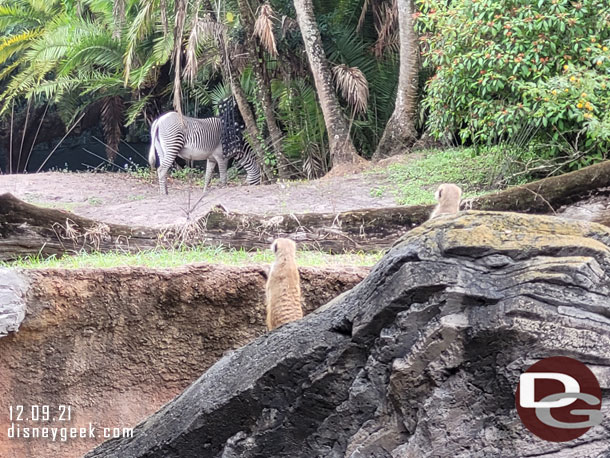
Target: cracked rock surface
x=13 y=287
x=420 y=359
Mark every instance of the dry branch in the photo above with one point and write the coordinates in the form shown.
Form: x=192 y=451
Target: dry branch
x=28 y=230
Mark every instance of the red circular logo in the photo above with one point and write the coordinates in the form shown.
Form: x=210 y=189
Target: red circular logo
x=559 y=399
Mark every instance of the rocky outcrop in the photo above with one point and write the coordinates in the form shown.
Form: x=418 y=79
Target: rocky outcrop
x=12 y=304
x=420 y=359
x=116 y=344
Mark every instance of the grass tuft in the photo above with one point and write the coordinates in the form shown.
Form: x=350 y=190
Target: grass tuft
x=183 y=256
x=414 y=182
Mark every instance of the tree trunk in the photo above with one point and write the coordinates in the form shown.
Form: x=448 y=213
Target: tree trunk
x=180 y=10
x=274 y=131
x=230 y=74
x=249 y=120
x=342 y=150
x=400 y=131
x=258 y=67
x=112 y=115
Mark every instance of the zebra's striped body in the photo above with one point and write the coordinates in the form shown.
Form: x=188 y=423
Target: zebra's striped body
x=193 y=139
x=246 y=158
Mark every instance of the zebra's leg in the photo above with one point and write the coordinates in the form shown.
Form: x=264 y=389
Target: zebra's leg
x=222 y=169
x=162 y=172
x=209 y=171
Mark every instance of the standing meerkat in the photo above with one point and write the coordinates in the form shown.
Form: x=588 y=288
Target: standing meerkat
x=448 y=196
x=283 y=291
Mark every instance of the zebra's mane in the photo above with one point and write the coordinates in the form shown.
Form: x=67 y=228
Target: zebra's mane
x=232 y=128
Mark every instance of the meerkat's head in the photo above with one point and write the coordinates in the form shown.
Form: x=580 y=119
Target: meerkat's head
x=448 y=192
x=283 y=247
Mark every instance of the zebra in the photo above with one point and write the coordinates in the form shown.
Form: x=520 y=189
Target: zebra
x=174 y=135
x=246 y=158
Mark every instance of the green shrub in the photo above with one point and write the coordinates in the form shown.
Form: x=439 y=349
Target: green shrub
x=509 y=69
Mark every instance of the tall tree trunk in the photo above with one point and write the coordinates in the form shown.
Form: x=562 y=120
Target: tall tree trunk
x=274 y=131
x=258 y=67
x=229 y=74
x=118 y=13
x=342 y=149
x=112 y=113
x=400 y=131
x=180 y=7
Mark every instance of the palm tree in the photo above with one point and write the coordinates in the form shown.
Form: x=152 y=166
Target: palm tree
x=263 y=28
x=73 y=60
x=341 y=147
x=213 y=28
x=83 y=60
x=400 y=132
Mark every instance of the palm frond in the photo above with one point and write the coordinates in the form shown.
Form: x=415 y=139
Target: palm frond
x=141 y=25
x=365 y=8
x=43 y=8
x=97 y=50
x=7 y=70
x=53 y=45
x=263 y=28
x=19 y=17
x=218 y=94
x=22 y=83
x=201 y=95
x=147 y=73
x=348 y=47
x=100 y=82
x=386 y=15
x=15 y=44
x=53 y=89
x=353 y=86
x=135 y=109
x=191 y=67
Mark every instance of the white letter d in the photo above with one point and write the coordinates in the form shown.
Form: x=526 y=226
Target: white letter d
x=527 y=383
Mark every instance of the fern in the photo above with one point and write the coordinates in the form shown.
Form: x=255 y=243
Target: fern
x=16 y=44
x=135 y=109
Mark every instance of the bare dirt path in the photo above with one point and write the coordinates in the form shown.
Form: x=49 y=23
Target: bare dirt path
x=124 y=199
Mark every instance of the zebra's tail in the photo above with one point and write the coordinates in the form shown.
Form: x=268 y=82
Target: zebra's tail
x=153 y=155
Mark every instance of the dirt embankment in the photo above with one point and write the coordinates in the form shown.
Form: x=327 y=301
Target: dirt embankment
x=116 y=344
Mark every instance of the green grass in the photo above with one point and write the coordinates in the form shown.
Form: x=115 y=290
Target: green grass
x=140 y=171
x=68 y=206
x=182 y=256
x=95 y=201
x=195 y=175
x=414 y=182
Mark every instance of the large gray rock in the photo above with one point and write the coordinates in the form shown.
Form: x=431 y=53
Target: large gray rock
x=13 y=287
x=421 y=359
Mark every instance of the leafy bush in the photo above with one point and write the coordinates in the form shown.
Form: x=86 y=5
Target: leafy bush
x=508 y=69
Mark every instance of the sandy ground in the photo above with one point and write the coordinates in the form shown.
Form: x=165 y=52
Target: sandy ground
x=124 y=199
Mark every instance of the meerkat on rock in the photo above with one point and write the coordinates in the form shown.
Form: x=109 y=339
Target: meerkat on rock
x=448 y=196
x=283 y=291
